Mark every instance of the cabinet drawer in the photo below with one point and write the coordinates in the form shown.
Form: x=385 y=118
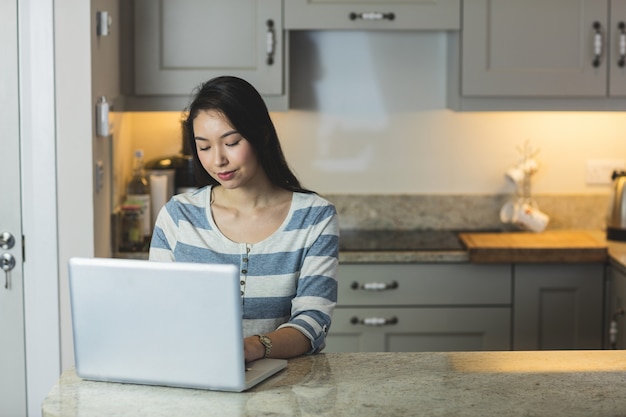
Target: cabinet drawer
x=420 y=329
x=373 y=15
x=423 y=284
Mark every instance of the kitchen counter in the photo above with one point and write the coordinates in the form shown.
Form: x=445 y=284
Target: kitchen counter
x=414 y=249
x=542 y=383
x=617 y=254
x=434 y=246
x=401 y=246
x=561 y=246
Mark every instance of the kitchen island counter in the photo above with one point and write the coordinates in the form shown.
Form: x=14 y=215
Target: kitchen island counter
x=542 y=383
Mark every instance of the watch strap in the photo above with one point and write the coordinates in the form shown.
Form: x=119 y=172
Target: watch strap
x=267 y=343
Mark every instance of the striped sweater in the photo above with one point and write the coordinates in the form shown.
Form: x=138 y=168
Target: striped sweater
x=288 y=279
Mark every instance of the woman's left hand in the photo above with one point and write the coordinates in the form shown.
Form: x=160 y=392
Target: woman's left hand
x=287 y=342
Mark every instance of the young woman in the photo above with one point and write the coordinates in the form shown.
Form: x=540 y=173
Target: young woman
x=251 y=211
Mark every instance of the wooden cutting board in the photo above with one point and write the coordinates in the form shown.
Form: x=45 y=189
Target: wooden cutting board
x=521 y=247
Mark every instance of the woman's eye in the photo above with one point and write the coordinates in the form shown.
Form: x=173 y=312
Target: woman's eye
x=233 y=143
x=206 y=148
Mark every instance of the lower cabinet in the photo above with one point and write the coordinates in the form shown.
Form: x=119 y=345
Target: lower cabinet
x=422 y=307
x=558 y=306
x=469 y=307
x=420 y=329
x=617 y=307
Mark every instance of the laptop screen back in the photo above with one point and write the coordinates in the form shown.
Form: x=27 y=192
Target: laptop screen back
x=173 y=324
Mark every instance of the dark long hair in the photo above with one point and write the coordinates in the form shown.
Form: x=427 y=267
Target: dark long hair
x=244 y=107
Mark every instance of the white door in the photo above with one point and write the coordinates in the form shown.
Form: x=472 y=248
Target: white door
x=12 y=353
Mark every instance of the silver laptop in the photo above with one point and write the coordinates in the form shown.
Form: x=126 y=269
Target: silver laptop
x=161 y=323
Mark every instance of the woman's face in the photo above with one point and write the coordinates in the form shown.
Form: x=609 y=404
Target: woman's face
x=225 y=155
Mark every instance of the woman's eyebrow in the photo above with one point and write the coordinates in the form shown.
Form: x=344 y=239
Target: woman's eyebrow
x=224 y=135
x=230 y=132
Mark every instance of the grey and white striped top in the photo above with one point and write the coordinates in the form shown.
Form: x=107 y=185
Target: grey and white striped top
x=288 y=279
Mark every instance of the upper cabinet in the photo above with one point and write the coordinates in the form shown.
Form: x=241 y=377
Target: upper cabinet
x=373 y=15
x=178 y=44
x=548 y=48
x=617 y=54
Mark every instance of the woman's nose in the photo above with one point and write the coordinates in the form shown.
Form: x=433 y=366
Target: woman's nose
x=220 y=157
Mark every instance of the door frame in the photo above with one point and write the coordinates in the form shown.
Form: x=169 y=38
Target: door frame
x=13 y=398
x=39 y=202
x=57 y=177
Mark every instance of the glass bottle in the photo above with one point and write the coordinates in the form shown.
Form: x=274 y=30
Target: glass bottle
x=138 y=193
x=131 y=239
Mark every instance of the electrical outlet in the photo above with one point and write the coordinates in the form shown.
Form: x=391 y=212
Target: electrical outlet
x=599 y=171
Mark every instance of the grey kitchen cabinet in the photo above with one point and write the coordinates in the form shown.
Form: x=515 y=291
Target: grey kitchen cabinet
x=373 y=15
x=617 y=54
x=558 y=306
x=617 y=306
x=178 y=44
x=551 y=48
x=422 y=307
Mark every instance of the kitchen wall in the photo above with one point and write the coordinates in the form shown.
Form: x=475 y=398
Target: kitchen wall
x=368 y=116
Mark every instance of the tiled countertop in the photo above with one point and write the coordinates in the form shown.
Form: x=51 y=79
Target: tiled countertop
x=542 y=383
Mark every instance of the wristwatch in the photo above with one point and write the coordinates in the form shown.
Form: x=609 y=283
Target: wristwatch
x=267 y=342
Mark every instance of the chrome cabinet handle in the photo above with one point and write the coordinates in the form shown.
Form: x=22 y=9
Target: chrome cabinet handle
x=374 y=286
x=597 y=44
x=7 y=263
x=372 y=16
x=270 y=42
x=622 y=44
x=374 y=321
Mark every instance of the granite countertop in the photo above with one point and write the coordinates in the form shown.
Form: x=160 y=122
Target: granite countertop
x=541 y=383
x=401 y=246
x=617 y=254
x=419 y=246
x=412 y=247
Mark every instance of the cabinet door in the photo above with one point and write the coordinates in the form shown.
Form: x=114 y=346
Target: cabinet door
x=617 y=306
x=419 y=329
x=534 y=48
x=617 y=55
x=558 y=306
x=364 y=14
x=181 y=43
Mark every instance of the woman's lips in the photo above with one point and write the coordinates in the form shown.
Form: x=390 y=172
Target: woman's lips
x=225 y=176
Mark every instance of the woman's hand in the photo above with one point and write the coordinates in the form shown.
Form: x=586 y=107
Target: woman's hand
x=287 y=342
x=253 y=349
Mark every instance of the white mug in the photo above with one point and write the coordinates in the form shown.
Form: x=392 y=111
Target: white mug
x=508 y=212
x=516 y=175
x=530 y=218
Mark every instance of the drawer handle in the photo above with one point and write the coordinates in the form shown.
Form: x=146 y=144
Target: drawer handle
x=270 y=42
x=374 y=321
x=622 y=44
x=374 y=286
x=372 y=16
x=597 y=44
